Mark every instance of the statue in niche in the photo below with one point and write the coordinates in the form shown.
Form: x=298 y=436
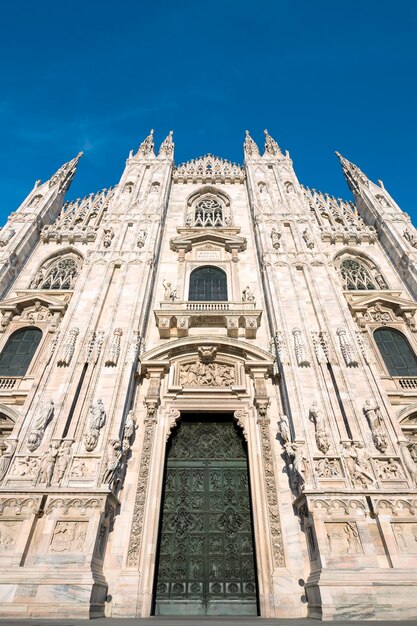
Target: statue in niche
x=411 y=237
x=380 y=281
x=62 y=460
x=308 y=240
x=284 y=428
x=373 y=415
x=47 y=464
x=45 y=415
x=319 y=420
x=170 y=294
x=275 y=238
x=7 y=450
x=6 y=235
x=299 y=465
x=96 y=421
x=409 y=461
x=129 y=430
x=108 y=236
x=113 y=465
x=248 y=295
x=37 y=280
x=141 y=238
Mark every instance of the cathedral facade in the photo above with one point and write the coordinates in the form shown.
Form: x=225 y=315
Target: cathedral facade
x=208 y=395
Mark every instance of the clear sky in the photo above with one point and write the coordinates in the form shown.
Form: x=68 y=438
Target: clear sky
x=321 y=75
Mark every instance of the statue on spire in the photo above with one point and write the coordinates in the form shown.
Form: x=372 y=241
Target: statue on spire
x=167 y=146
x=65 y=174
x=249 y=147
x=271 y=146
x=354 y=176
x=147 y=145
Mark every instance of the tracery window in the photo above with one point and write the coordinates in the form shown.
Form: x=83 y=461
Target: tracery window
x=208 y=283
x=19 y=351
x=396 y=352
x=208 y=213
x=355 y=275
x=60 y=274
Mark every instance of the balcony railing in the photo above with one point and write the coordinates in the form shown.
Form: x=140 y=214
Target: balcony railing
x=180 y=305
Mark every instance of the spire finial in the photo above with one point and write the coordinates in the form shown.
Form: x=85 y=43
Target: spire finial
x=249 y=147
x=167 y=146
x=65 y=174
x=271 y=146
x=147 y=145
x=354 y=176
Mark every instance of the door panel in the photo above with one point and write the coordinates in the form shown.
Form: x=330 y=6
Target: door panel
x=206 y=556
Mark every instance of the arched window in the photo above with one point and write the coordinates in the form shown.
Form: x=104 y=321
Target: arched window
x=208 y=283
x=60 y=274
x=398 y=356
x=355 y=275
x=208 y=213
x=18 y=351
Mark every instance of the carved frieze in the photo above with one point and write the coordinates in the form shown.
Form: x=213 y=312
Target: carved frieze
x=343 y=538
x=405 y=536
x=328 y=467
x=84 y=468
x=200 y=374
x=68 y=537
x=9 y=532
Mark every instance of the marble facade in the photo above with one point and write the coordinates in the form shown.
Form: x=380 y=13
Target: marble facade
x=290 y=353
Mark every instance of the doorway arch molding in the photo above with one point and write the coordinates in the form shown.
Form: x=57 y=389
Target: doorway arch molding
x=244 y=404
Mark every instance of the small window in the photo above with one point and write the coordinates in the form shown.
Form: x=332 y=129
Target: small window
x=396 y=352
x=19 y=351
x=208 y=283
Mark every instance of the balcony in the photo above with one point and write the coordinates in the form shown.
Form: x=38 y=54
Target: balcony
x=174 y=319
x=15 y=386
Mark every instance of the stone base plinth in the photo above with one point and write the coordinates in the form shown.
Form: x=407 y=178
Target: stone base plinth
x=362 y=595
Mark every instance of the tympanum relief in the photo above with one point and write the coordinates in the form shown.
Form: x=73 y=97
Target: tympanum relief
x=206 y=372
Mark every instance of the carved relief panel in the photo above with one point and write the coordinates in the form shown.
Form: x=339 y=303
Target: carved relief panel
x=343 y=538
x=68 y=536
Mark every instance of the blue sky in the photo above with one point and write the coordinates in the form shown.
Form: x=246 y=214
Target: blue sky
x=321 y=75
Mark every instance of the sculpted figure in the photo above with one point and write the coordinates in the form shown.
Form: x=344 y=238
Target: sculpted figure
x=141 y=238
x=299 y=465
x=45 y=415
x=7 y=450
x=47 y=464
x=374 y=417
x=62 y=460
x=284 y=428
x=411 y=237
x=409 y=461
x=169 y=293
x=6 y=236
x=108 y=236
x=37 y=280
x=96 y=421
x=129 y=430
x=248 y=295
x=316 y=416
x=357 y=463
x=275 y=238
x=307 y=238
x=115 y=455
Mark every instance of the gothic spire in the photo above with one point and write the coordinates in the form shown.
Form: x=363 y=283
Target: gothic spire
x=271 y=146
x=147 y=145
x=354 y=176
x=249 y=147
x=65 y=174
x=167 y=146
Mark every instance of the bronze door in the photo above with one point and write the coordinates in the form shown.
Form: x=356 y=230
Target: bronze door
x=206 y=562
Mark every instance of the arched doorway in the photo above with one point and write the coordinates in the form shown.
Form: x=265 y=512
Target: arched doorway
x=206 y=561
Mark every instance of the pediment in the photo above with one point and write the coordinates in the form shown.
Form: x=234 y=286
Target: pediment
x=400 y=306
x=192 y=239
x=30 y=299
